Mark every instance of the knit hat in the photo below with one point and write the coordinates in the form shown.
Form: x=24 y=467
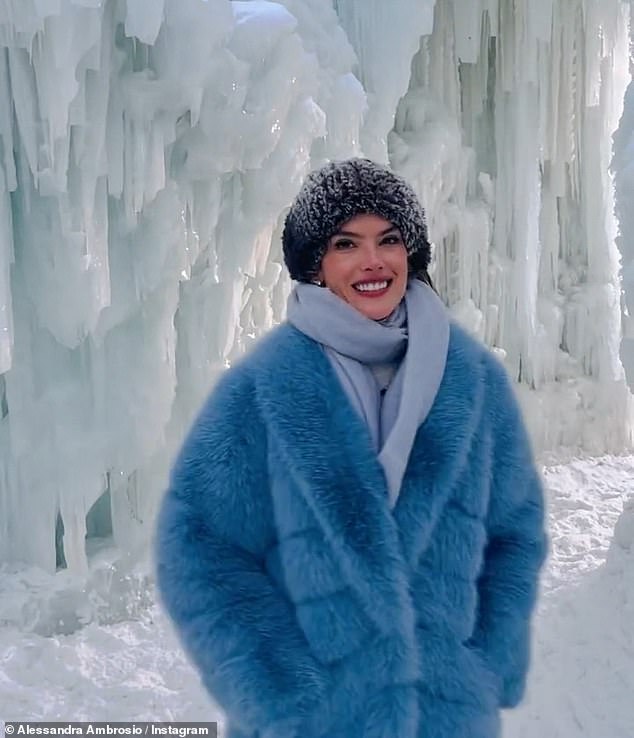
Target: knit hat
x=334 y=194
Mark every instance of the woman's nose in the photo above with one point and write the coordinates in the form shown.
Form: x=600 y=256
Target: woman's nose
x=372 y=258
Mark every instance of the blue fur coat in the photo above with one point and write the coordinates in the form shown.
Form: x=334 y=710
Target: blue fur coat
x=309 y=607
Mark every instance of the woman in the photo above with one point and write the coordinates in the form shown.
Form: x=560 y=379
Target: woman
x=352 y=537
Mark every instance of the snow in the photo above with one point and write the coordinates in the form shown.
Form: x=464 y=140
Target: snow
x=583 y=677
x=121 y=661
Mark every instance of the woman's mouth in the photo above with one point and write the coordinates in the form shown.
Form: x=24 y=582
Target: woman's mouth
x=376 y=288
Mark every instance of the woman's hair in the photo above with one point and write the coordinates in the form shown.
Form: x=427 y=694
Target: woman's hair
x=418 y=269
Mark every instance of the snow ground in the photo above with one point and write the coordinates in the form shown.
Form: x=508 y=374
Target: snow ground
x=581 y=684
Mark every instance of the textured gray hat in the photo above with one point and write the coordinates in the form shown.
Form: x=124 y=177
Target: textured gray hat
x=338 y=191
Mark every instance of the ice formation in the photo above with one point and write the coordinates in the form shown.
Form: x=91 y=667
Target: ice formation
x=623 y=168
x=506 y=128
x=148 y=151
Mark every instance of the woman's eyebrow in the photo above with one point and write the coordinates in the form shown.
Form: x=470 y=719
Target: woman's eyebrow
x=358 y=235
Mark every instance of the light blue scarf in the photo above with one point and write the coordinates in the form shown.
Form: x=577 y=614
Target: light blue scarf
x=418 y=328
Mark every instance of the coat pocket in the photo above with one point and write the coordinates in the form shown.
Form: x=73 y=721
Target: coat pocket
x=488 y=682
x=455 y=672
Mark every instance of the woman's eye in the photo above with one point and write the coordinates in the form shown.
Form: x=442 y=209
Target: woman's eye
x=390 y=240
x=342 y=244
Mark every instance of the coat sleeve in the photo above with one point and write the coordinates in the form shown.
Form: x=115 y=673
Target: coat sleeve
x=214 y=528
x=516 y=546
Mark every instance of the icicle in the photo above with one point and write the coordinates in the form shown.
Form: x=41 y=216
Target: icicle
x=143 y=20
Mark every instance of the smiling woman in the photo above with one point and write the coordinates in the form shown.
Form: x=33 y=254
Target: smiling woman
x=360 y=558
x=365 y=265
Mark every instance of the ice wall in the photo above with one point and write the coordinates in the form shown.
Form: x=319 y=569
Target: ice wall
x=507 y=129
x=148 y=151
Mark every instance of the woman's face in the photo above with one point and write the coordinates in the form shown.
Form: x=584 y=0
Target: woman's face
x=365 y=264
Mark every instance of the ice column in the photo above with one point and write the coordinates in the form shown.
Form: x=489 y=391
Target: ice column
x=385 y=36
x=623 y=168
